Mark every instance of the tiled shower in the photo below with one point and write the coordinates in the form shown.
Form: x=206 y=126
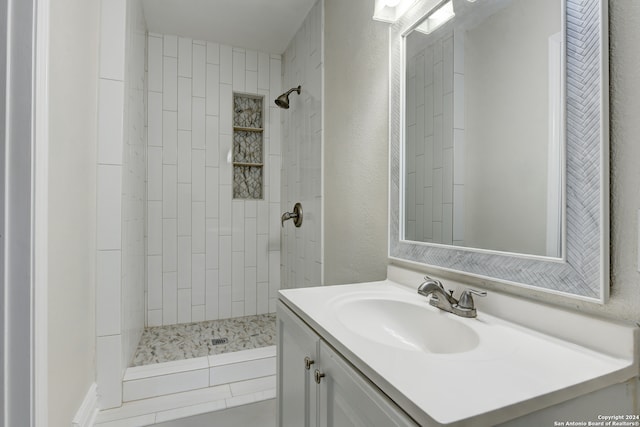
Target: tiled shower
x=174 y=245
x=209 y=255
x=120 y=194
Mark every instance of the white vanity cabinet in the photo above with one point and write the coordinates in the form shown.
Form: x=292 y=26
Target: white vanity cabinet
x=298 y=354
x=385 y=357
x=318 y=387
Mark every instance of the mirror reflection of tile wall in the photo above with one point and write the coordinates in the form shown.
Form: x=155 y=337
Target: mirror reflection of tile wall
x=434 y=203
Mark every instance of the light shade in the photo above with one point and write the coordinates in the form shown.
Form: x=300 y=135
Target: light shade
x=438 y=18
x=390 y=10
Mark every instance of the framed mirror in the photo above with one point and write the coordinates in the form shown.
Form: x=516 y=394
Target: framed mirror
x=499 y=142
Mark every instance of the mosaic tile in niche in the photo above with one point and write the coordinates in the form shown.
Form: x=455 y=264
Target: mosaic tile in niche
x=247 y=147
x=247 y=182
x=247 y=111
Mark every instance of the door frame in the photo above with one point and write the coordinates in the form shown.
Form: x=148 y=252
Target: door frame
x=24 y=210
x=41 y=215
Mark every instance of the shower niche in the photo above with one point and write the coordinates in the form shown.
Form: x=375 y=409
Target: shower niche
x=248 y=130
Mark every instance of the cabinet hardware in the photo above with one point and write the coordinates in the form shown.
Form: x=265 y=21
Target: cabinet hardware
x=319 y=376
x=308 y=362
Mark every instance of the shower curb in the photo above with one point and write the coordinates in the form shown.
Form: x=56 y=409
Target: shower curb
x=172 y=390
x=142 y=382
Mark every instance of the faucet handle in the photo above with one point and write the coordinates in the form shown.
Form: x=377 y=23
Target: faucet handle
x=466 y=300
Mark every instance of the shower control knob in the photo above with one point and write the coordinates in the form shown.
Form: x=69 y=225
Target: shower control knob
x=296 y=215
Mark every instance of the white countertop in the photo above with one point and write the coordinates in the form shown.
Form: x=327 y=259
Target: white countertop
x=512 y=372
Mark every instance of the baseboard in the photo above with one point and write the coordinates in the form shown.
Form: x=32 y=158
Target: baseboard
x=86 y=415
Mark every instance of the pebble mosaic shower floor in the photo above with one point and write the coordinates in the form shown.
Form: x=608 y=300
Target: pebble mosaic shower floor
x=176 y=342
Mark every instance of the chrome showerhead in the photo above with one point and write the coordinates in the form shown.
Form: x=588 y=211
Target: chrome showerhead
x=283 y=100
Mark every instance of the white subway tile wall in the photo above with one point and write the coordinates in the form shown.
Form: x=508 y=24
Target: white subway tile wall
x=435 y=143
x=209 y=255
x=134 y=183
x=121 y=194
x=301 y=157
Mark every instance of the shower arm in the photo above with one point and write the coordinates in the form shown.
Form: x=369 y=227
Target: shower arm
x=297 y=89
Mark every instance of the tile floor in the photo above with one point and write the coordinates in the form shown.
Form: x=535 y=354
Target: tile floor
x=260 y=414
x=189 y=340
x=179 y=406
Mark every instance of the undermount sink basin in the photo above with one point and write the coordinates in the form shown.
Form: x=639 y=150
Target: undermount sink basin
x=406 y=325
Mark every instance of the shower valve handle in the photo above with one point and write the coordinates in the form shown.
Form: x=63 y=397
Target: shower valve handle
x=296 y=215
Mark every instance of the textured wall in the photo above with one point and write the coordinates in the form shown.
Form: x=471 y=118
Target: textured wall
x=73 y=66
x=356 y=143
x=625 y=157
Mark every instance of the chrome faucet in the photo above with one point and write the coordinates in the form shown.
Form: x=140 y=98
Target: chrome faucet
x=464 y=307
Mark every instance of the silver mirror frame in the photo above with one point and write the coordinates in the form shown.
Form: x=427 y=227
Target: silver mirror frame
x=583 y=270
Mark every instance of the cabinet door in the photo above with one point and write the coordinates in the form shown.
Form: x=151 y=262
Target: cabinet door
x=349 y=399
x=297 y=395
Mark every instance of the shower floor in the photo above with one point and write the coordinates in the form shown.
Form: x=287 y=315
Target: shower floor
x=185 y=341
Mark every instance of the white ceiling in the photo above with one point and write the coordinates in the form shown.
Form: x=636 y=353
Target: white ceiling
x=263 y=25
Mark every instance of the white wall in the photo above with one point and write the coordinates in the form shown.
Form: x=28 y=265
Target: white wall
x=73 y=67
x=302 y=153
x=356 y=137
x=209 y=256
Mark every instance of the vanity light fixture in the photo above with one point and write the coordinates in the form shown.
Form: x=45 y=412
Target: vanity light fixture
x=390 y=10
x=437 y=18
